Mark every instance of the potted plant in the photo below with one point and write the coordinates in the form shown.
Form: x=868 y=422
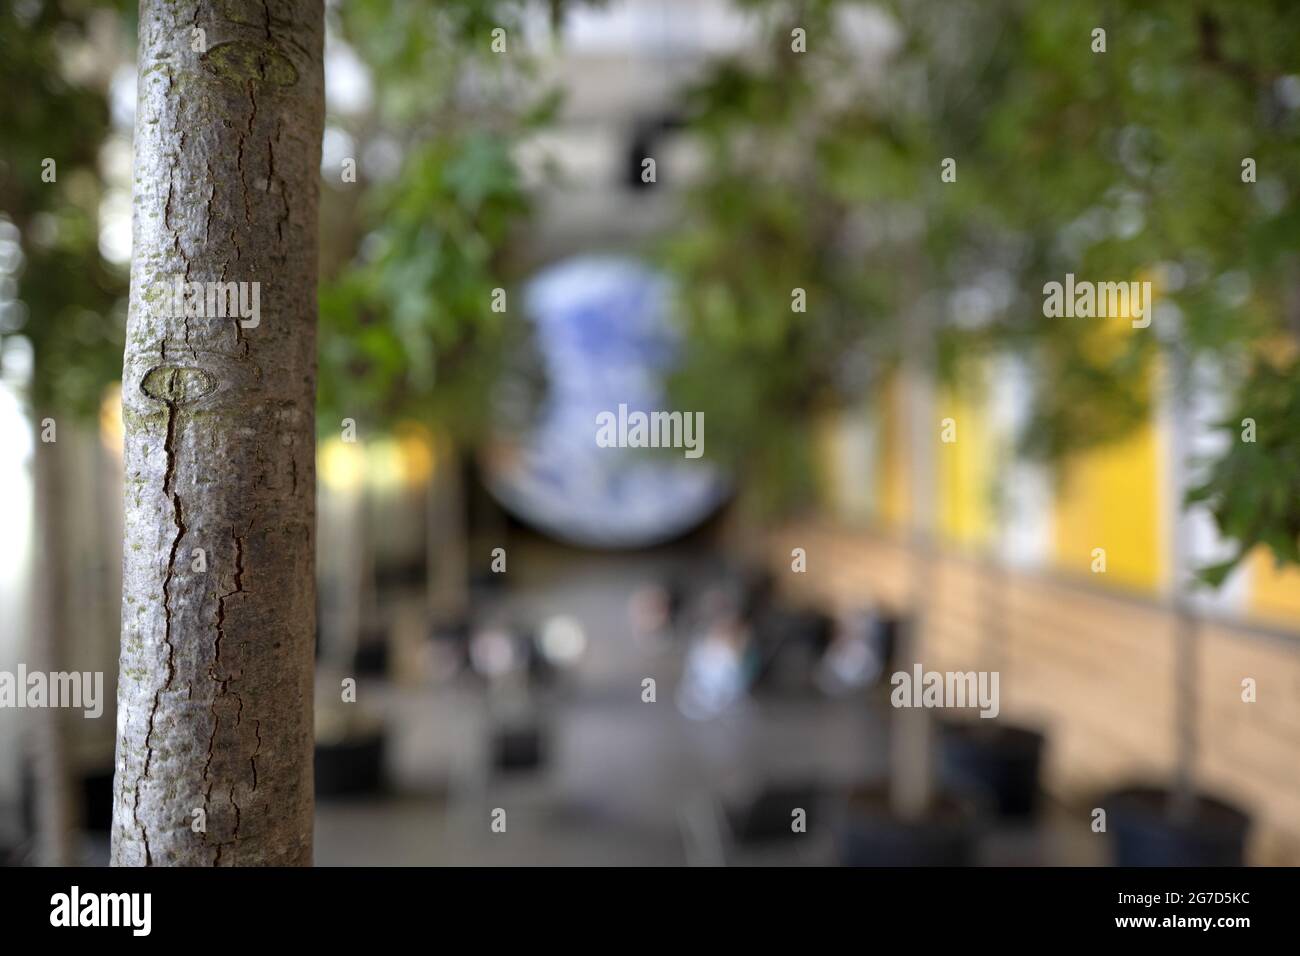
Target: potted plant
x=1179 y=824
x=412 y=262
x=998 y=758
x=777 y=303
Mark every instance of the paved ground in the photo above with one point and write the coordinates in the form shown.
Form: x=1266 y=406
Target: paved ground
x=627 y=782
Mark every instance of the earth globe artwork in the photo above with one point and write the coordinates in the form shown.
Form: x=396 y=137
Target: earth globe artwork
x=605 y=339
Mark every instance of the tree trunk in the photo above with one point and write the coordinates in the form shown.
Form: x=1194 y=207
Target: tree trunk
x=911 y=787
x=446 y=539
x=1187 y=628
x=910 y=756
x=51 y=752
x=215 y=689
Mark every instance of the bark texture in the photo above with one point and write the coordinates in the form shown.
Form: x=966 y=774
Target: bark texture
x=215 y=686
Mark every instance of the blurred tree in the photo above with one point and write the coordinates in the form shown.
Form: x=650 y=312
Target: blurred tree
x=812 y=171
x=59 y=296
x=416 y=302
x=1168 y=155
x=409 y=329
x=771 y=292
x=1129 y=164
x=67 y=301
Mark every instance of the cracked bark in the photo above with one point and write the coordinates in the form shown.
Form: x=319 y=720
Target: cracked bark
x=215 y=686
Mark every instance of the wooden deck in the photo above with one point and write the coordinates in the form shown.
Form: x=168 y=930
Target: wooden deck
x=1094 y=668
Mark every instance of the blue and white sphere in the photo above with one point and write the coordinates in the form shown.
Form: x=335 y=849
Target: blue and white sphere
x=605 y=339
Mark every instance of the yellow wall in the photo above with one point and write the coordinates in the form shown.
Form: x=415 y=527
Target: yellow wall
x=1110 y=498
x=965 y=466
x=1274 y=594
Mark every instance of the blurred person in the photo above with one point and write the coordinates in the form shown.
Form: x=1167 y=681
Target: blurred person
x=721 y=664
x=853 y=660
x=654 y=613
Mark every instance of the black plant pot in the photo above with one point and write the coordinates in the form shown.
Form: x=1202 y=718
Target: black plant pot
x=808 y=627
x=371 y=660
x=371 y=657
x=518 y=747
x=869 y=834
x=1147 y=833
x=95 y=805
x=350 y=766
x=997 y=761
x=97 y=799
x=791 y=641
x=768 y=817
x=885 y=636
